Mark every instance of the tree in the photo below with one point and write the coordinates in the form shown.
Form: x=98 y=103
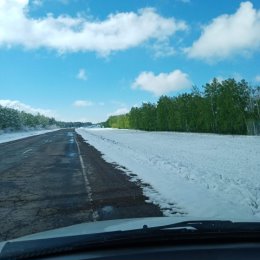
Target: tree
x=163 y=113
x=211 y=91
x=227 y=107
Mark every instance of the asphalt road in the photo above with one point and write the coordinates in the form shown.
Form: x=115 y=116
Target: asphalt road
x=56 y=180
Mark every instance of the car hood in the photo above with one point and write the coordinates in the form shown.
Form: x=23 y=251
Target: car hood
x=105 y=226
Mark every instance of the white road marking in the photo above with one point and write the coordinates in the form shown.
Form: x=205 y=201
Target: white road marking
x=27 y=151
x=87 y=184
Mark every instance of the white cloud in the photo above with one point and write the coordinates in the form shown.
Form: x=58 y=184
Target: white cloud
x=82 y=75
x=120 y=111
x=257 y=78
x=64 y=33
x=219 y=79
x=227 y=35
x=37 y=2
x=163 y=49
x=235 y=75
x=15 y=104
x=82 y=103
x=163 y=83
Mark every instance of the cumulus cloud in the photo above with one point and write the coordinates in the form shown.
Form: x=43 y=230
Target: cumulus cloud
x=15 y=104
x=37 y=2
x=83 y=103
x=82 y=75
x=163 y=49
x=120 y=111
x=163 y=83
x=227 y=35
x=219 y=79
x=257 y=78
x=64 y=33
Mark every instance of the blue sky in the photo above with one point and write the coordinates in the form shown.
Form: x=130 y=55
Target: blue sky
x=83 y=60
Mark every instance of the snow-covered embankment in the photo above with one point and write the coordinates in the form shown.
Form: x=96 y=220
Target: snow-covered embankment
x=12 y=136
x=199 y=175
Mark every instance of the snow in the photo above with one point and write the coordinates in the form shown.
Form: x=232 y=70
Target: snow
x=7 y=137
x=199 y=175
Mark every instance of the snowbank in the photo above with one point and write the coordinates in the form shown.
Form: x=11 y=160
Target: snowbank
x=7 y=137
x=201 y=175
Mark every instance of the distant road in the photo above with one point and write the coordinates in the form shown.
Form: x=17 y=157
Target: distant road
x=56 y=180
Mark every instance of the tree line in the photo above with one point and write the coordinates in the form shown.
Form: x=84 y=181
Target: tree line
x=224 y=107
x=12 y=119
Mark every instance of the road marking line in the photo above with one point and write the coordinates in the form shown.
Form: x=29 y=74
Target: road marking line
x=27 y=151
x=95 y=215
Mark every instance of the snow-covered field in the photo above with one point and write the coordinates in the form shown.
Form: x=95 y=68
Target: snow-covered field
x=199 y=175
x=7 y=137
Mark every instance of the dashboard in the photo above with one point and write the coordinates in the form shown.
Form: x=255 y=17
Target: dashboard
x=230 y=251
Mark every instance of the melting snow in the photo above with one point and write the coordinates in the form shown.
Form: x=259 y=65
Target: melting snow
x=7 y=137
x=199 y=175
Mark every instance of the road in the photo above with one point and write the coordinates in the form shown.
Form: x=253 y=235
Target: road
x=56 y=179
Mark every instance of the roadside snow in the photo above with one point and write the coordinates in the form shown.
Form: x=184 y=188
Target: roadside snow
x=7 y=137
x=199 y=175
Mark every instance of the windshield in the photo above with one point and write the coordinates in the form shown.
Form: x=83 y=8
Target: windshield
x=113 y=110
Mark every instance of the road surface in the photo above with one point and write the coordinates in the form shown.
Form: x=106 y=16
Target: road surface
x=56 y=179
